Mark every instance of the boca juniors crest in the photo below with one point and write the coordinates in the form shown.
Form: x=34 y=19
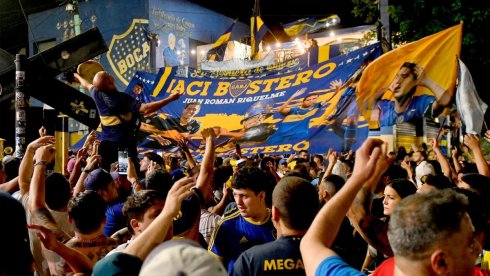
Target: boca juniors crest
x=130 y=51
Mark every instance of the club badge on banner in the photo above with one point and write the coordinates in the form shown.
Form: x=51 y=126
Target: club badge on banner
x=278 y=112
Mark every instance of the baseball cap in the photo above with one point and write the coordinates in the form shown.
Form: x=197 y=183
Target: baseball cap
x=283 y=161
x=181 y=257
x=99 y=179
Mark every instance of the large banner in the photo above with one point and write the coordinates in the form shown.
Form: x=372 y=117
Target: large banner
x=272 y=111
x=414 y=80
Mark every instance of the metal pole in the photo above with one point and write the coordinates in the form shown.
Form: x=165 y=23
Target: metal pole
x=76 y=18
x=385 y=19
x=21 y=104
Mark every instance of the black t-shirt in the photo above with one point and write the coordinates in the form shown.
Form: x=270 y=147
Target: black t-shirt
x=280 y=257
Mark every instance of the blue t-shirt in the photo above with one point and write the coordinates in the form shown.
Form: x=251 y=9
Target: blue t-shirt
x=115 y=220
x=114 y=106
x=416 y=109
x=234 y=234
x=334 y=265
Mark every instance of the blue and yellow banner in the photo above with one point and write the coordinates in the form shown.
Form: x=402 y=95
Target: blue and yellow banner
x=415 y=80
x=282 y=111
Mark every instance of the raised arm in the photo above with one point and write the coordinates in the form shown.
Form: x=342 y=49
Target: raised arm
x=473 y=142
x=445 y=167
x=207 y=167
x=148 y=108
x=371 y=162
x=78 y=262
x=158 y=229
x=26 y=165
x=284 y=109
x=83 y=82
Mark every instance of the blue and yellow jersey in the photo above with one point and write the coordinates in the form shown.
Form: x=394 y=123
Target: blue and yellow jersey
x=234 y=234
x=388 y=116
x=116 y=111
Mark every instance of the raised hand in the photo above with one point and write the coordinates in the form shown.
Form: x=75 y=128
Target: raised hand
x=336 y=84
x=179 y=191
x=472 y=141
x=299 y=92
x=45 y=153
x=45 y=235
x=42 y=141
x=42 y=132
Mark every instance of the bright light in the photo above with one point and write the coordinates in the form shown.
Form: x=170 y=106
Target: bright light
x=193 y=52
x=179 y=52
x=332 y=34
x=202 y=52
x=278 y=44
x=328 y=25
x=296 y=40
x=268 y=48
x=339 y=39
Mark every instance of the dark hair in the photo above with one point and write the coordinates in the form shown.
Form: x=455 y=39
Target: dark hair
x=402 y=186
x=154 y=157
x=423 y=220
x=411 y=66
x=220 y=176
x=478 y=182
x=300 y=170
x=477 y=208
x=87 y=210
x=11 y=167
x=336 y=180
x=468 y=168
x=319 y=156
x=395 y=172
x=192 y=103
x=297 y=202
x=58 y=191
x=439 y=181
x=252 y=178
x=15 y=257
x=160 y=181
x=138 y=203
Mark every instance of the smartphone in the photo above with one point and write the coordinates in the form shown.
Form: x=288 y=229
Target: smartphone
x=122 y=160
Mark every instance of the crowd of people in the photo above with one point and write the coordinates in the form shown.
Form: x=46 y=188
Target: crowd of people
x=414 y=212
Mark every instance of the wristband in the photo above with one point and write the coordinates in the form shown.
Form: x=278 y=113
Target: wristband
x=42 y=163
x=87 y=171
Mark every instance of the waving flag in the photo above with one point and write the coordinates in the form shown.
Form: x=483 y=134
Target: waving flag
x=259 y=29
x=470 y=107
x=219 y=47
x=414 y=80
x=309 y=25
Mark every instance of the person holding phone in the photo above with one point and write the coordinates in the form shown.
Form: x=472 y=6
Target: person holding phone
x=119 y=116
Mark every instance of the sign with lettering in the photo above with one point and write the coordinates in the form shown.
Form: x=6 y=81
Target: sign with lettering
x=130 y=51
x=276 y=111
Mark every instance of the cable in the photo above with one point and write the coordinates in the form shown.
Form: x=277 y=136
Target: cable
x=30 y=30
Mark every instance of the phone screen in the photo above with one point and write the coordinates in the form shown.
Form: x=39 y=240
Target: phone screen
x=122 y=160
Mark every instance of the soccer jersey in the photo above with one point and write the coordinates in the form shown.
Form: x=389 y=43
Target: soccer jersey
x=280 y=257
x=234 y=234
x=112 y=107
x=416 y=109
x=295 y=125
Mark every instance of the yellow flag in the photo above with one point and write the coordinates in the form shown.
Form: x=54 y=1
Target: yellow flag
x=409 y=81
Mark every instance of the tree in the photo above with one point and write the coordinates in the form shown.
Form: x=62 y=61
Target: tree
x=412 y=20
